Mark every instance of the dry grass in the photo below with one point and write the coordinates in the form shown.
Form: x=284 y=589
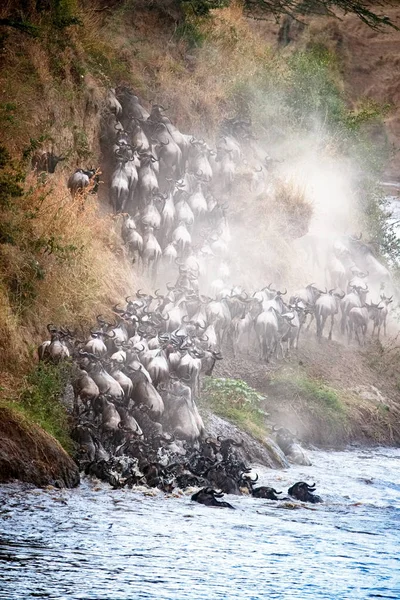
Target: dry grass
x=80 y=267
x=197 y=84
x=291 y=210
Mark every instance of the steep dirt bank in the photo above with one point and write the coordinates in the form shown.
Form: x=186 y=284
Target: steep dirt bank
x=56 y=98
x=29 y=454
x=328 y=393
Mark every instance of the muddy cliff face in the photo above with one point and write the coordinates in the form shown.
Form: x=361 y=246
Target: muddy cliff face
x=29 y=454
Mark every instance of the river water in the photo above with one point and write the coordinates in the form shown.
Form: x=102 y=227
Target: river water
x=97 y=543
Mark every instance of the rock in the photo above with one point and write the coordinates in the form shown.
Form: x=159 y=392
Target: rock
x=29 y=454
x=264 y=453
x=67 y=398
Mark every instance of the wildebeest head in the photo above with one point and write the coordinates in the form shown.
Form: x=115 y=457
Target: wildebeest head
x=208 y=496
x=304 y=492
x=268 y=493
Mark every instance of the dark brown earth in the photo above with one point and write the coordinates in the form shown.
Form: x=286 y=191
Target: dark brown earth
x=29 y=454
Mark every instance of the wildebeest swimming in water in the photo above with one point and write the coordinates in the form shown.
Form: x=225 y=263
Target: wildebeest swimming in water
x=208 y=496
x=304 y=492
x=265 y=492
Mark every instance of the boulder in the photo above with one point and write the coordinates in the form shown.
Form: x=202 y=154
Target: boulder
x=254 y=451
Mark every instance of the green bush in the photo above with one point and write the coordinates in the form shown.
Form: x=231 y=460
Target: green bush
x=236 y=401
x=39 y=401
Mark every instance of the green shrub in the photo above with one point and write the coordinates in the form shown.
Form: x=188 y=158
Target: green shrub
x=39 y=401
x=236 y=401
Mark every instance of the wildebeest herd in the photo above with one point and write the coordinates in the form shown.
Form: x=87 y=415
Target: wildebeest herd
x=136 y=380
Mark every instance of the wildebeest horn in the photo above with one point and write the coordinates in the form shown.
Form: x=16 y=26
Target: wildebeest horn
x=118 y=311
x=89 y=354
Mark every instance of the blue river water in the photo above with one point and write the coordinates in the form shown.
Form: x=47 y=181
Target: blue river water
x=97 y=543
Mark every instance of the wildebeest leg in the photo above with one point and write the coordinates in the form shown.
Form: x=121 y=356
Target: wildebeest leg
x=154 y=271
x=343 y=323
x=235 y=340
x=332 y=323
x=349 y=332
x=261 y=344
x=364 y=332
x=296 y=340
x=322 y=325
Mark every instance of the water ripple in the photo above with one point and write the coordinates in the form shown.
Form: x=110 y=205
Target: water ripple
x=106 y=545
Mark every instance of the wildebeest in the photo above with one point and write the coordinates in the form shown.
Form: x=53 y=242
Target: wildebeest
x=46 y=161
x=80 y=180
x=292 y=450
x=304 y=492
x=208 y=496
x=268 y=493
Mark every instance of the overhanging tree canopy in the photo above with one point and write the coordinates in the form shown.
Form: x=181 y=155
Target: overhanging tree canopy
x=264 y=9
x=298 y=8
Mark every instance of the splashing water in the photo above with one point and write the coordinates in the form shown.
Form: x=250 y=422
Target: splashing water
x=101 y=544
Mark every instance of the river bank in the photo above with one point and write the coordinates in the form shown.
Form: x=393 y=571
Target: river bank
x=359 y=416
x=31 y=455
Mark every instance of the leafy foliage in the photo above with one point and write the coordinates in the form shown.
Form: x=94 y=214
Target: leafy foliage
x=235 y=400
x=40 y=401
x=201 y=8
x=296 y=8
x=26 y=17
